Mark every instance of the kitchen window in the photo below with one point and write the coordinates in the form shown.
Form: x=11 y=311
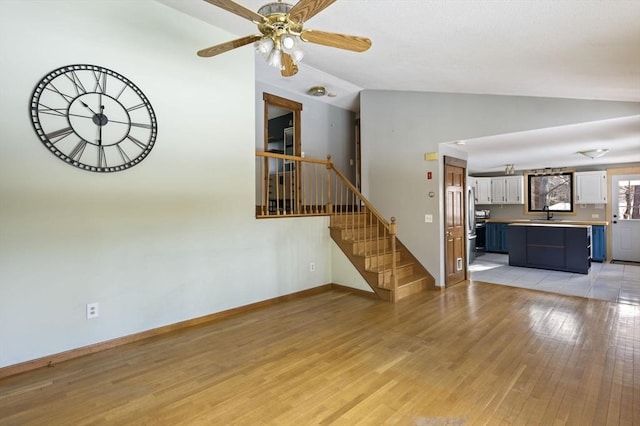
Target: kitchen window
x=550 y=192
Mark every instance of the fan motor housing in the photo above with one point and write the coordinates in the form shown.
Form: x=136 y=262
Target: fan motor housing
x=277 y=15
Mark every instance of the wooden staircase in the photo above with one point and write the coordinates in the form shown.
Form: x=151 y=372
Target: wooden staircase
x=314 y=187
x=373 y=252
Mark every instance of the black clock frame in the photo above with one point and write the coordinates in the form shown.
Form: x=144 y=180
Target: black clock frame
x=63 y=107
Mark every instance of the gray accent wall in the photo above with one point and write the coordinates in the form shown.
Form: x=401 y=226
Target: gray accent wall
x=398 y=128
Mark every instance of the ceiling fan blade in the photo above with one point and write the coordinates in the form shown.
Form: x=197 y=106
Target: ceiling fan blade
x=289 y=68
x=233 y=7
x=225 y=47
x=341 y=41
x=306 y=9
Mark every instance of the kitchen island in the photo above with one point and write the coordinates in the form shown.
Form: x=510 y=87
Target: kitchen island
x=556 y=246
x=497 y=234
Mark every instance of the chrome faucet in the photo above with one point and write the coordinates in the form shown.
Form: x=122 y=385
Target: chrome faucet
x=549 y=214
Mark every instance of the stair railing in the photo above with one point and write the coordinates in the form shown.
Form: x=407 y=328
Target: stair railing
x=291 y=186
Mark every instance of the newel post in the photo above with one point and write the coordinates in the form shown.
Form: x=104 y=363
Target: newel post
x=329 y=167
x=393 y=229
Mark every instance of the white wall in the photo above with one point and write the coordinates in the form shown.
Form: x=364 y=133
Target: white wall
x=398 y=128
x=343 y=272
x=170 y=239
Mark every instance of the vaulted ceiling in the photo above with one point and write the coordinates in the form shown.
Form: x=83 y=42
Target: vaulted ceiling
x=579 y=49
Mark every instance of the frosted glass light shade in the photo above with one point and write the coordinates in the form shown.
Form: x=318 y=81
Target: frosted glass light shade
x=264 y=45
x=297 y=55
x=287 y=42
x=274 y=59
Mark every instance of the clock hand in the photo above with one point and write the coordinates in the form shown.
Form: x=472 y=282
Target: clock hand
x=100 y=124
x=88 y=107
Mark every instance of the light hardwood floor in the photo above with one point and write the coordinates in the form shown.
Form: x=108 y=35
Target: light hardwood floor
x=474 y=354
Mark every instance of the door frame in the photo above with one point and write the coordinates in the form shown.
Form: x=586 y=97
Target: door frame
x=271 y=100
x=295 y=107
x=456 y=162
x=609 y=205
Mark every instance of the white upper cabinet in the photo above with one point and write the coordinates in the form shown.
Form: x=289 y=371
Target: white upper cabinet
x=591 y=187
x=514 y=189
x=507 y=190
x=483 y=189
x=498 y=190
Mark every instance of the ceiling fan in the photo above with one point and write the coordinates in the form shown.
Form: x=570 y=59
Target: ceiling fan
x=281 y=33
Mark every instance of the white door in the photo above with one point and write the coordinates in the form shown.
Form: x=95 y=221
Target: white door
x=625 y=223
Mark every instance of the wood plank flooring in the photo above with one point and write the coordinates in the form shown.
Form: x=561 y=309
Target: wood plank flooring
x=475 y=354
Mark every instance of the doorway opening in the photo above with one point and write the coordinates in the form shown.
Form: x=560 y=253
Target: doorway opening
x=282 y=136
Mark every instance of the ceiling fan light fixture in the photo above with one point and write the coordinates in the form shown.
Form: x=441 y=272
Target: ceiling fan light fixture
x=264 y=46
x=274 y=59
x=288 y=42
x=281 y=31
x=594 y=153
x=297 y=55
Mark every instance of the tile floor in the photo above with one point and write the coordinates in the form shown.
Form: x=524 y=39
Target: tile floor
x=605 y=281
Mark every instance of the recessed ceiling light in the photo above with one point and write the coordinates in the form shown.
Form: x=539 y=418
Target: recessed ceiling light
x=594 y=153
x=317 y=91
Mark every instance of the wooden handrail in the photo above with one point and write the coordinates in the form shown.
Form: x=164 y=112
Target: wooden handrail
x=291 y=157
x=359 y=194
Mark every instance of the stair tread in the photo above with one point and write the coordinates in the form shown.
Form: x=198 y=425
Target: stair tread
x=411 y=279
x=367 y=240
x=387 y=266
x=382 y=252
x=353 y=226
x=406 y=281
x=372 y=256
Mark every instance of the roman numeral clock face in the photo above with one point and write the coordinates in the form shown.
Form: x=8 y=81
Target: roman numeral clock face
x=93 y=118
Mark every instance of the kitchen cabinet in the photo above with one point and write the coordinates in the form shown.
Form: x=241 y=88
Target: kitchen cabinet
x=598 y=243
x=591 y=187
x=497 y=237
x=482 y=186
x=514 y=189
x=507 y=190
x=556 y=247
x=498 y=190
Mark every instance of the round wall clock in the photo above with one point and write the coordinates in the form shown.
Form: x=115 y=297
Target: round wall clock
x=93 y=118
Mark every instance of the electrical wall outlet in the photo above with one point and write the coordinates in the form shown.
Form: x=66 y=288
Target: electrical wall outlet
x=312 y=267
x=595 y=216
x=93 y=310
x=428 y=218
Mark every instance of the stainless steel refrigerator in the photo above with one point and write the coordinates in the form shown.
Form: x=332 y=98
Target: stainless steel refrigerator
x=471 y=224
